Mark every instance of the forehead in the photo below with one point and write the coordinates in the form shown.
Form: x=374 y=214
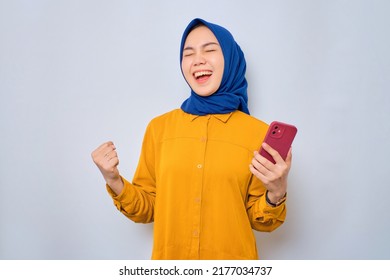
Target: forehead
x=200 y=35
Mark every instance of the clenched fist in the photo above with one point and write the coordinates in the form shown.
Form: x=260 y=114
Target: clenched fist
x=106 y=159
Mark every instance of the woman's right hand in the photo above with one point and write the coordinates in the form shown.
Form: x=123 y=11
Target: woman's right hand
x=106 y=159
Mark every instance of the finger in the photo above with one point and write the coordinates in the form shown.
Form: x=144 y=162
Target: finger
x=263 y=161
x=258 y=165
x=102 y=149
x=267 y=168
x=107 y=151
x=259 y=174
x=114 y=161
x=110 y=155
x=274 y=153
x=104 y=146
x=108 y=165
x=263 y=166
x=102 y=155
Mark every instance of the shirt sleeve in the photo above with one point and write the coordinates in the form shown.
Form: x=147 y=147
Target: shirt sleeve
x=263 y=217
x=136 y=201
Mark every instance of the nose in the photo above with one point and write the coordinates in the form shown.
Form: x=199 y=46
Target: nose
x=199 y=59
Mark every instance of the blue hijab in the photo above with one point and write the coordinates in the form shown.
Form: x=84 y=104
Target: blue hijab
x=232 y=93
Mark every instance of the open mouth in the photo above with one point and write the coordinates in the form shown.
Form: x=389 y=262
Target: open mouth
x=202 y=75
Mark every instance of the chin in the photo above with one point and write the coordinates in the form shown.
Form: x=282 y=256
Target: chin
x=204 y=92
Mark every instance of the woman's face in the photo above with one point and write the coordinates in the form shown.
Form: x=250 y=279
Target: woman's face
x=202 y=63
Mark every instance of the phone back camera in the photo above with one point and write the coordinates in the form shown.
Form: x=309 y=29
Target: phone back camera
x=276 y=132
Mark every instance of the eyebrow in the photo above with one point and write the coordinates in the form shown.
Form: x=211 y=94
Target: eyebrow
x=203 y=46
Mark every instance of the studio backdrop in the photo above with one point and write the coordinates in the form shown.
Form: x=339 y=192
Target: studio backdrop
x=74 y=74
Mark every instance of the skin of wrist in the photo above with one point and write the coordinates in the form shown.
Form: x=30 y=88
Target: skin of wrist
x=112 y=180
x=116 y=185
x=275 y=197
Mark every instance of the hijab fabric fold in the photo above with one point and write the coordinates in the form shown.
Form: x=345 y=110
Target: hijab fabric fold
x=232 y=93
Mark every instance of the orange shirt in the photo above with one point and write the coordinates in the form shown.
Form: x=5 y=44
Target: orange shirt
x=193 y=180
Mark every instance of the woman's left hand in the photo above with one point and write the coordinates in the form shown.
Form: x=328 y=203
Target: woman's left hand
x=273 y=176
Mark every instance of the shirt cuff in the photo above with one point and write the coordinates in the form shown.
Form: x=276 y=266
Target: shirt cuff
x=264 y=212
x=125 y=197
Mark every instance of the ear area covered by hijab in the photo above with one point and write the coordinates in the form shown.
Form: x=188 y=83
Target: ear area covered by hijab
x=232 y=93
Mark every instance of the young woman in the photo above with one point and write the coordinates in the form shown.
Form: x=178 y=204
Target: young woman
x=198 y=178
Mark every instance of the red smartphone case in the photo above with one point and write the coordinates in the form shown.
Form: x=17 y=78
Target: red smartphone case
x=280 y=137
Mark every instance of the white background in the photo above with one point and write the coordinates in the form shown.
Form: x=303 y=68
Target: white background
x=76 y=73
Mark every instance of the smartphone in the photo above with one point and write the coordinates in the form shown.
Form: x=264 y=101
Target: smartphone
x=280 y=137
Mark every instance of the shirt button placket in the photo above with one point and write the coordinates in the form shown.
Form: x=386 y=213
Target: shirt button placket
x=198 y=194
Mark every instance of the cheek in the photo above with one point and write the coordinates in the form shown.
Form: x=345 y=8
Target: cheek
x=218 y=63
x=221 y=64
x=185 y=65
x=185 y=69
x=220 y=69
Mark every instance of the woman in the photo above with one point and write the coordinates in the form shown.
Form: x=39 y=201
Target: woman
x=193 y=178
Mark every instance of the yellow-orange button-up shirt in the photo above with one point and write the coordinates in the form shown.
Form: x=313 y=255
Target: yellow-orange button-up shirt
x=193 y=180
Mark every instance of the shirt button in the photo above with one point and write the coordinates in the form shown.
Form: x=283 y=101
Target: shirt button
x=199 y=166
x=196 y=233
x=197 y=199
x=203 y=139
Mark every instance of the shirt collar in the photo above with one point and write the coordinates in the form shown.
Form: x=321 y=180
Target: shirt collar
x=222 y=117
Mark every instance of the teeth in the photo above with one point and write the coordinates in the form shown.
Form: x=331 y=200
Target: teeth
x=202 y=73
